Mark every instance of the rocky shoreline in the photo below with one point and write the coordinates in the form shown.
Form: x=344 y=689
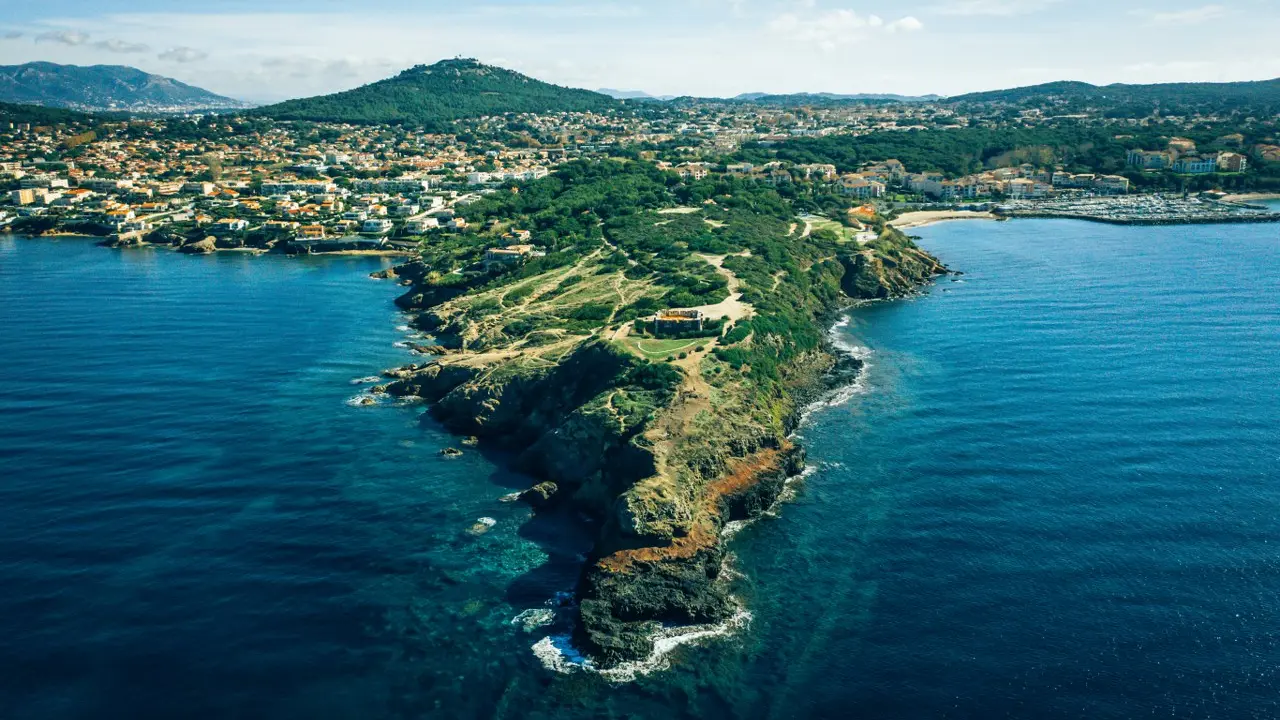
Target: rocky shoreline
x=660 y=490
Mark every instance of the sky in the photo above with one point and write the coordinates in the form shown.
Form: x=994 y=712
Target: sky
x=268 y=51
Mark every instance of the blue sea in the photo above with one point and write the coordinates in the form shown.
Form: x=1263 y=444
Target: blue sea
x=1055 y=493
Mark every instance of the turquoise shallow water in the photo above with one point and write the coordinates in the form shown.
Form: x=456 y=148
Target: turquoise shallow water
x=1055 y=496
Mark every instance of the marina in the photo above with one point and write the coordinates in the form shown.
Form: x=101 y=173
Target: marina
x=1140 y=210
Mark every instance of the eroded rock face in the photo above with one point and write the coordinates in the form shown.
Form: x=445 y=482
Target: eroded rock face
x=200 y=247
x=540 y=495
x=431 y=382
x=893 y=271
x=618 y=610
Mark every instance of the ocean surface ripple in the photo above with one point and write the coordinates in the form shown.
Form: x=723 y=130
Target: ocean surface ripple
x=1052 y=495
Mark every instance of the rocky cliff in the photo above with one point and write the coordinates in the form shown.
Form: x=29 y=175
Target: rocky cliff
x=662 y=454
x=891 y=266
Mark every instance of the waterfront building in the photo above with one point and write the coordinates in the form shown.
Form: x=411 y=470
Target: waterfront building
x=1232 y=162
x=1195 y=165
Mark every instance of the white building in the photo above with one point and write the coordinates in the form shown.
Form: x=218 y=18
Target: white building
x=421 y=225
x=230 y=225
x=376 y=227
x=307 y=187
x=392 y=185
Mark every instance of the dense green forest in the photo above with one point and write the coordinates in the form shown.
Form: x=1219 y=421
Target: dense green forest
x=609 y=208
x=432 y=96
x=1078 y=147
x=38 y=115
x=1261 y=98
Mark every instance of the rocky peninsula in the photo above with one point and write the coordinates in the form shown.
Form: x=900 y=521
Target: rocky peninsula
x=660 y=428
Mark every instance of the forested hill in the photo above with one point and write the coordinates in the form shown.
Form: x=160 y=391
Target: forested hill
x=1260 y=96
x=102 y=87
x=432 y=95
x=38 y=115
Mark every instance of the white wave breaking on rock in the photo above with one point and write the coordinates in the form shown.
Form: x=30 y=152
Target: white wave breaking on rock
x=556 y=652
x=843 y=394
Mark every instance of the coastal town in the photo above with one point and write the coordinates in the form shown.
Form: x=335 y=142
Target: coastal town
x=215 y=182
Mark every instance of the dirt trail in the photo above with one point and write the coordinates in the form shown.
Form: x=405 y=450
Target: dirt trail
x=732 y=307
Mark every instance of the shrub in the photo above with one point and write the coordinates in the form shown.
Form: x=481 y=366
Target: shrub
x=591 y=311
x=684 y=355
x=736 y=334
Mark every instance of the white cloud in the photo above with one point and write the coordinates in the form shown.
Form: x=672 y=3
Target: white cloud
x=183 y=55
x=11 y=35
x=1191 y=16
x=75 y=38
x=311 y=66
x=63 y=37
x=120 y=46
x=991 y=8
x=906 y=24
x=833 y=28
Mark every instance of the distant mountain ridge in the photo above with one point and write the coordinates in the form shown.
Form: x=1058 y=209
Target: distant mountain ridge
x=776 y=99
x=633 y=95
x=821 y=97
x=434 y=95
x=104 y=87
x=1260 y=94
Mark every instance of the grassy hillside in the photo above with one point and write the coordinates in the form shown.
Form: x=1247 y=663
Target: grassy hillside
x=436 y=94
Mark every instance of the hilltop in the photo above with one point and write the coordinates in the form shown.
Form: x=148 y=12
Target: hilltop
x=430 y=95
x=103 y=87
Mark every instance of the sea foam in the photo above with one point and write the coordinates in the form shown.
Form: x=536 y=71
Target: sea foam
x=558 y=654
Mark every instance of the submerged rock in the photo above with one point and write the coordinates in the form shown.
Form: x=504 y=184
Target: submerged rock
x=451 y=452
x=482 y=526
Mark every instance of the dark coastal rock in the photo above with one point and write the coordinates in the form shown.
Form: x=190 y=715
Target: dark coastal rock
x=432 y=381
x=420 y=298
x=518 y=404
x=540 y=496
x=895 y=269
x=116 y=241
x=200 y=247
x=752 y=501
x=618 y=611
x=451 y=452
x=402 y=373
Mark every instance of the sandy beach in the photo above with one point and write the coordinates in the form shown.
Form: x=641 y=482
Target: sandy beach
x=1248 y=197
x=921 y=218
